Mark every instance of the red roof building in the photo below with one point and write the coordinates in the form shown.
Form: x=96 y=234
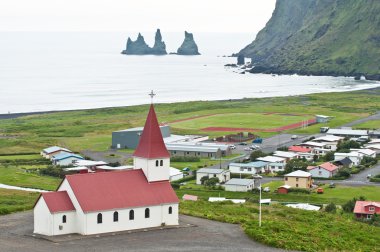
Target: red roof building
x=325 y=170
x=366 y=209
x=151 y=144
x=299 y=149
x=57 y=201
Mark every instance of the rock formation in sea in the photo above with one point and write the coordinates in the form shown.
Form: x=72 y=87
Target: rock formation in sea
x=240 y=59
x=140 y=47
x=188 y=47
x=159 y=47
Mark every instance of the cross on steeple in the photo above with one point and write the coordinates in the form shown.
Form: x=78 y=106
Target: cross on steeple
x=152 y=94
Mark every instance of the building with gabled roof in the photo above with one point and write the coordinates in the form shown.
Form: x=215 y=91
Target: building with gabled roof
x=298 y=179
x=101 y=202
x=325 y=170
x=366 y=209
x=65 y=159
x=53 y=150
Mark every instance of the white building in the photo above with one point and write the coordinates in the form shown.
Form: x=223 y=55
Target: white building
x=347 y=132
x=275 y=167
x=331 y=141
x=175 y=174
x=248 y=168
x=355 y=157
x=366 y=152
x=272 y=159
x=54 y=150
x=102 y=202
x=239 y=185
x=325 y=170
x=221 y=174
x=65 y=159
x=285 y=154
x=374 y=147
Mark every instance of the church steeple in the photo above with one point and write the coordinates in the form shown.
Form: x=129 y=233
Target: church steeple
x=151 y=144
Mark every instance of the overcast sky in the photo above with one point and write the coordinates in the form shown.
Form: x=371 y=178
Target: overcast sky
x=136 y=15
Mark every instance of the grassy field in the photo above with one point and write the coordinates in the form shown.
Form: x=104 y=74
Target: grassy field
x=291 y=229
x=91 y=129
x=14 y=201
x=194 y=165
x=241 y=120
x=375 y=124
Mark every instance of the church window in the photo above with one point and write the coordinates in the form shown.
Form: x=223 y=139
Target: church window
x=156 y=162
x=147 y=213
x=131 y=215
x=170 y=210
x=100 y=218
x=115 y=217
x=162 y=163
x=64 y=219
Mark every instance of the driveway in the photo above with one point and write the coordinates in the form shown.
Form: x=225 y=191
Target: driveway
x=202 y=235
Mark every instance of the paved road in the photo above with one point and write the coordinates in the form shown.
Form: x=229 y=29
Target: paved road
x=16 y=230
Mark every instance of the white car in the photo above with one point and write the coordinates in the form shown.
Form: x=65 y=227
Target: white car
x=232 y=147
x=247 y=149
x=294 y=137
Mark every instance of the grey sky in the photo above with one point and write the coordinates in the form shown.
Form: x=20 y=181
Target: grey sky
x=136 y=15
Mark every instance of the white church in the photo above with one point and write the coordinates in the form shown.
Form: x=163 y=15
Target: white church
x=102 y=202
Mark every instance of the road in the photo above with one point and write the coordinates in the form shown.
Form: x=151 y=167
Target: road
x=200 y=235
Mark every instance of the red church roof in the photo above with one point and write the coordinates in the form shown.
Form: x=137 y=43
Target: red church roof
x=119 y=189
x=58 y=201
x=151 y=144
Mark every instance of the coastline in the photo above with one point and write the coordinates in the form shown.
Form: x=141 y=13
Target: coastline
x=371 y=91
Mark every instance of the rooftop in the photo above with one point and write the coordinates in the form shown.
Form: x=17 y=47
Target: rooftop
x=298 y=173
x=299 y=149
x=64 y=155
x=328 y=138
x=347 y=132
x=256 y=164
x=360 y=206
x=327 y=166
x=285 y=154
x=271 y=159
x=211 y=170
x=55 y=149
x=185 y=147
x=58 y=201
x=242 y=182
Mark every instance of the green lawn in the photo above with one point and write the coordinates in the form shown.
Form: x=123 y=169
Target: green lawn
x=20 y=157
x=241 y=120
x=375 y=124
x=291 y=229
x=14 y=201
x=204 y=162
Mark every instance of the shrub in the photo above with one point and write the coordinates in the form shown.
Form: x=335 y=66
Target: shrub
x=330 y=208
x=185 y=179
x=329 y=156
x=350 y=205
x=299 y=190
x=185 y=159
x=257 y=154
x=296 y=164
x=53 y=171
x=176 y=186
x=347 y=145
x=211 y=182
x=343 y=173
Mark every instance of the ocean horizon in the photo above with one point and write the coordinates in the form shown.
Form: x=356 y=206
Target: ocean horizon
x=53 y=71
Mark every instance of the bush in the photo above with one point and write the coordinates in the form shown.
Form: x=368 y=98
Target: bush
x=330 y=208
x=185 y=159
x=211 y=182
x=377 y=180
x=257 y=154
x=350 y=205
x=347 y=145
x=299 y=190
x=53 y=171
x=185 y=179
x=296 y=164
x=368 y=161
x=175 y=185
x=343 y=173
x=329 y=156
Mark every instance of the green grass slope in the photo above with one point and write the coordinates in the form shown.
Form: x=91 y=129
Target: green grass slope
x=321 y=37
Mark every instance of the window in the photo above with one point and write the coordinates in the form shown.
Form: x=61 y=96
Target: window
x=174 y=152
x=241 y=169
x=156 y=162
x=369 y=216
x=64 y=219
x=320 y=172
x=214 y=175
x=131 y=215
x=115 y=217
x=170 y=210
x=286 y=178
x=100 y=218
x=372 y=209
x=147 y=213
x=162 y=163
x=249 y=169
x=199 y=153
x=296 y=179
x=187 y=153
x=296 y=185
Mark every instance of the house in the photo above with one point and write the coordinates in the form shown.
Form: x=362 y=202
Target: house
x=272 y=159
x=325 y=170
x=103 y=202
x=343 y=163
x=284 y=189
x=298 y=179
x=129 y=138
x=321 y=151
x=239 y=185
x=184 y=150
x=374 y=147
x=54 y=150
x=65 y=159
x=355 y=157
x=365 y=152
x=302 y=152
x=312 y=145
x=347 y=132
x=322 y=118
x=175 y=174
x=287 y=155
x=330 y=141
x=256 y=167
x=221 y=174
x=366 y=209
x=275 y=167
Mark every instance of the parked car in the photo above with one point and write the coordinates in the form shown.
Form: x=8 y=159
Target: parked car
x=255 y=147
x=320 y=190
x=258 y=141
x=247 y=148
x=294 y=137
x=242 y=143
x=369 y=176
x=332 y=185
x=266 y=189
x=232 y=147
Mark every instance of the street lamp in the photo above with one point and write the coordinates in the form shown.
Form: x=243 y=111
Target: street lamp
x=258 y=177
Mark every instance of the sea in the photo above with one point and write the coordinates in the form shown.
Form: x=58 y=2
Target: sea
x=46 y=71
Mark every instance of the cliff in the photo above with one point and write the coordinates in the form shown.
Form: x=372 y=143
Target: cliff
x=319 y=37
x=188 y=47
x=140 y=47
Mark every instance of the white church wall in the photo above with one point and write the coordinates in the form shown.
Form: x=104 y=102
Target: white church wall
x=158 y=215
x=60 y=228
x=43 y=220
x=151 y=171
x=80 y=226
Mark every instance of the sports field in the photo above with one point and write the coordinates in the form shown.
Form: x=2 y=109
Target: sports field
x=269 y=122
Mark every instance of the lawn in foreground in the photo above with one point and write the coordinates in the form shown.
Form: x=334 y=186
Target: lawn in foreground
x=15 y=201
x=289 y=228
x=242 y=120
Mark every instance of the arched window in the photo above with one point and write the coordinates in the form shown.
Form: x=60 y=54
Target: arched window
x=147 y=212
x=162 y=163
x=64 y=219
x=100 y=218
x=156 y=162
x=170 y=210
x=131 y=215
x=115 y=217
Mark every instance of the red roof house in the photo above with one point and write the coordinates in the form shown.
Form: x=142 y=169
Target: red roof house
x=366 y=209
x=299 y=149
x=57 y=201
x=325 y=170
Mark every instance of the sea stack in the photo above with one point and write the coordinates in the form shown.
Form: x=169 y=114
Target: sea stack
x=159 y=47
x=138 y=47
x=188 y=47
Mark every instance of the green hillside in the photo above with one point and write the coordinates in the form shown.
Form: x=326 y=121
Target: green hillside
x=320 y=37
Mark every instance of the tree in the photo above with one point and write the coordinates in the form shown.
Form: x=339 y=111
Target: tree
x=350 y=205
x=347 y=144
x=296 y=164
x=330 y=208
x=203 y=180
x=329 y=156
x=257 y=154
x=211 y=182
x=343 y=173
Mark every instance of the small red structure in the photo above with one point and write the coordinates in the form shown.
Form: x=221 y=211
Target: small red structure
x=366 y=209
x=283 y=189
x=320 y=190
